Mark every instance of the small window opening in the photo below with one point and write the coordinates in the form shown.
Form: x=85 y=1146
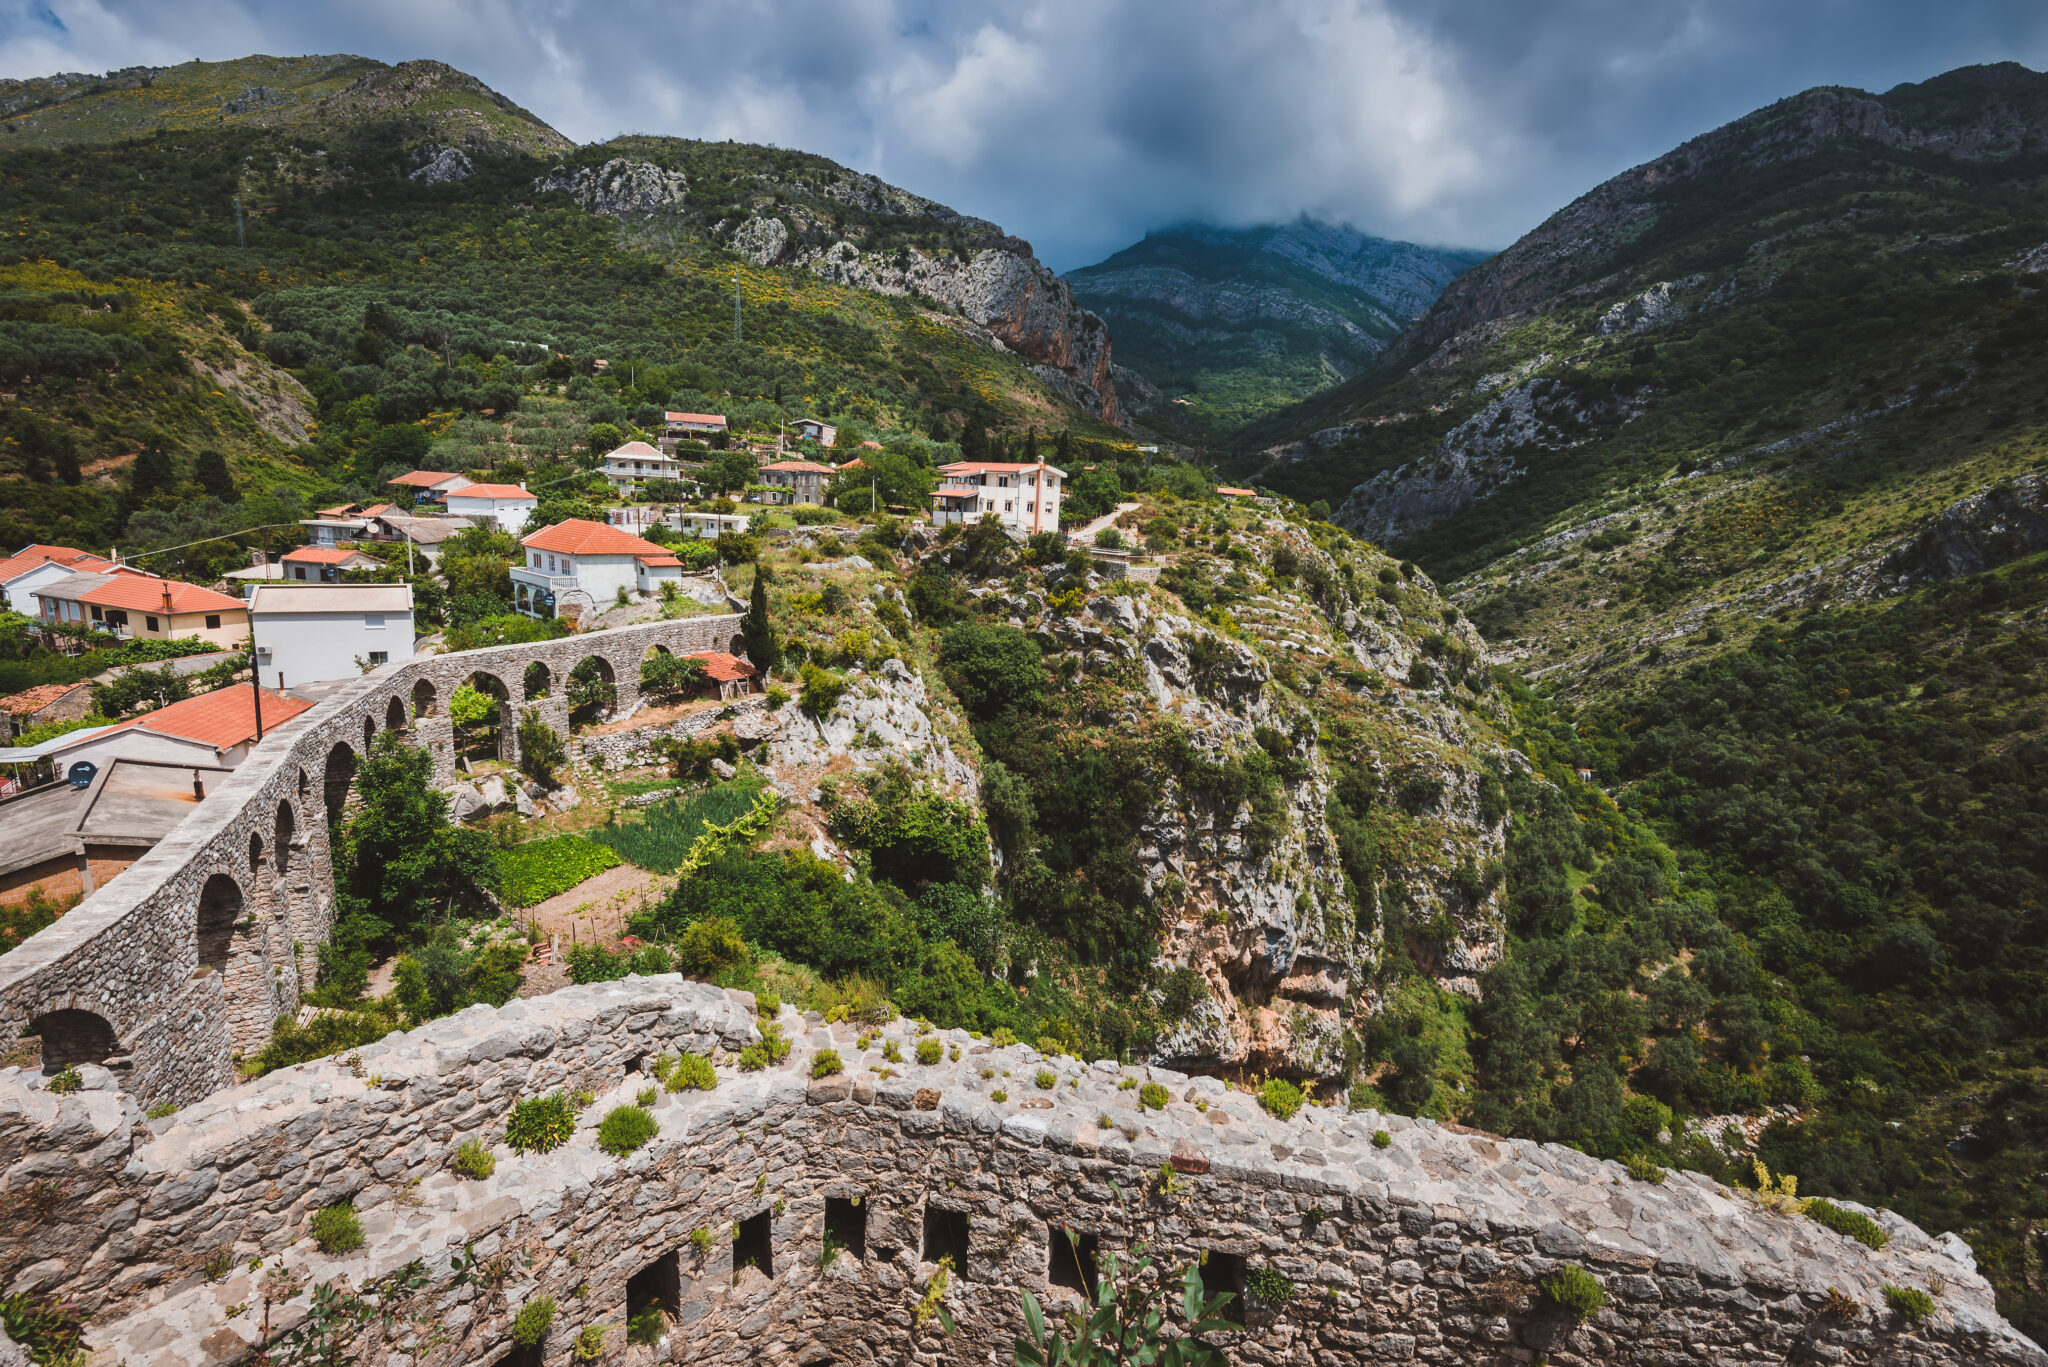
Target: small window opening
x=750 y=1245
x=1223 y=1275
x=945 y=1236
x=846 y=1226
x=1073 y=1261
x=654 y=1295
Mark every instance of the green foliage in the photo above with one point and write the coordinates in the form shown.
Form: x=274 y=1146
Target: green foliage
x=328 y=1033
x=539 y=869
x=826 y=1062
x=589 y=1345
x=541 y=751
x=914 y=837
x=1853 y=1224
x=1153 y=1096
x=625 y=1129
x=474 y=1161
x=668 y=832
x=1643 y=1168
x=52 y=1334
x=772 y=1048
x=930 y=1051
x=1280 y=1097
x=710 y=946
x=1124 y=1320
x=764 y=650
x=530 y=1326
x=539 y=1124
x=1911 y=1303
x=67 y=1081
x=991 y=669
x=822 y=689
x=1269 y=1286
x=337 y=1228
x=667 y=677
x=19 y=920
x=469 y=706
x=1046 y=1079
x=1574 y=1291
x=1382 y=1140
x=646 y=1325
x=447 y=972
x=692 y=1072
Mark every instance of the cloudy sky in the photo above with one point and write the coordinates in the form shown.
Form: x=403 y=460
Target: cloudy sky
x=1081 y=123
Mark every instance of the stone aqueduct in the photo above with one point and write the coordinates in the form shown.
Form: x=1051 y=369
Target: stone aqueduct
x=185 y=960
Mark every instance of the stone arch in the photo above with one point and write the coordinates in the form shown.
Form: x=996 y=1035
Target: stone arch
x=341 y=772
x=369 y=733
x=537 y=680
x=657 y=649
x=736 y=646
x=487 y=737
x=220 y=906
x=423 y=698
x=287 y=826
x=394 y=715
x=593 y=689
x=71 y=1036
x=255 y=852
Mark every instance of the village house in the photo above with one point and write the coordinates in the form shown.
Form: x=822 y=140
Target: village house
x=681 y=425
x=33 y=566
x=796 y=481
x=308 y=632
x=431 y=486
x=216 y=728
x=586 y=565
x=814 y=429
x=636 y=462
x=1026 y=497
x=729 y=675
x=46 y=703
x=508 y=505
x=426 y=534
x=144 y=607
x=323 y=564
x=70 y=841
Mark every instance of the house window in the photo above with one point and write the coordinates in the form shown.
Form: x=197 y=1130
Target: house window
x=96 y=612
x=213 y=621
x=1006 y=505
x=117 y=617
x=150 y=622
x=298 y=572
x=378 y=657
x=374 y=621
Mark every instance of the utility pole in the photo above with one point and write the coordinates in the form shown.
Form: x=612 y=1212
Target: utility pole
x=735 y=305
x=255 y=673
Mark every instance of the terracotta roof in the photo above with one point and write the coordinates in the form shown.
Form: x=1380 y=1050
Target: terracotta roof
x=223 y=718
x=722 y=667
x=424 y=479
x=147 y=595
x=810 y=466
x=30 y=557
x=324 y=555
x=511 y=491
x=37 y=698
x=578 y=536
x=996 y=467
x=1237 y=493
x=656 y=561
x=871 y=446
x=637 y=450
x=855 y=464
x=712 y=419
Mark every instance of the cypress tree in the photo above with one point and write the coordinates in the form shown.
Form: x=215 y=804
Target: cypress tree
x=153 y=473
x=1063 y=448
x=211 y=470
x=974 y=440
x=1031 y=447
x=65 y=458
x=755 y=628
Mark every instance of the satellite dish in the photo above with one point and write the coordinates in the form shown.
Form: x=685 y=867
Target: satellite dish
x=81 y=774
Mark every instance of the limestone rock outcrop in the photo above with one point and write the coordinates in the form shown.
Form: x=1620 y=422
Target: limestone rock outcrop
x=620 y=188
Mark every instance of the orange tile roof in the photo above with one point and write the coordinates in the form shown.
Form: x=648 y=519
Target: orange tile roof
x=324 y=555
x=29 y=557
x=578 y=536
x=638 y=450
x=713 y=419
x=1237 y=493
x=492 y=491
x=656 y=561
x=147 y=595
x=423 y=479
x=37 y=698
x=223 y=718
x=723 y=667
x=810 y=466
x=997 y=467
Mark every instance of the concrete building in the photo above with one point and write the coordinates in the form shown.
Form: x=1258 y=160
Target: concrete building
x=425 y=533
x=1026 y=497
x=45 y=703
x=430 y=486
x=636 y=463
x=585 y=564
x=508 y=505
x=815 y=429
x=324 y=564
x=70 y=841
x=29 y=568
x=308 y=632
x=144 y=607
x=796 y=481
x=214 y=729
x=679 y=425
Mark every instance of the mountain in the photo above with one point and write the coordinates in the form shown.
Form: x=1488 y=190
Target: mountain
x=1223 y=325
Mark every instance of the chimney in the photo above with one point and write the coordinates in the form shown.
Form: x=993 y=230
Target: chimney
x=198 y=788
x=167 y=608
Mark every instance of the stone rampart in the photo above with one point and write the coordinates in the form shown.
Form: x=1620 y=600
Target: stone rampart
x=182 y=962
x=1426 y=1249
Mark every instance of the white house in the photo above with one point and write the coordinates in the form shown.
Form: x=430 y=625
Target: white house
x=693 y=424
x=638 y=517
x=214 y=728
x=22 y=573
x=321 y=564
x=505 y=504
x=584 y=565
x=430 y=485
x=1026 y=497
x=813 y=429
x=635 y=463
x=308 y=632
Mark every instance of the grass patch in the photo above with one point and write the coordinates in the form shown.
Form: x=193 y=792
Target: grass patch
x=540 y=869
x=661 y=839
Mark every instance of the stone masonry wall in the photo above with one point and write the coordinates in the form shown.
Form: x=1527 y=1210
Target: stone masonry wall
x=169 y=971
x=1424 y=1250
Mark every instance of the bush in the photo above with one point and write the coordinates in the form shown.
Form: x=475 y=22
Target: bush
x=1046 y=1079
x=533 y=1321
x=822 y=689
x=826 y=1063
x=692 y=1072
x=593 y=963
x=671 y=676
x=541 y=751
x=1153 y=1096
x=1281 y=1098
x=1855 y=1225
x=930 y=1051
x=53 y=1334
x=771 y=1048
x=474 y=1161
x=1643 y=1168
x=625 y=1129
x=540 y=1124
x=1912 y=1303
x=337 y=1228
x=329 y=1033
x=1574 y=1291
x=710 y=946
x=1382 y=1140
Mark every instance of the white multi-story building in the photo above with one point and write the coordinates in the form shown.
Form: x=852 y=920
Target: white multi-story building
x=636 y=463
x=1026 y=497
x=584 y=565
x=508 y=505
x=309 y=632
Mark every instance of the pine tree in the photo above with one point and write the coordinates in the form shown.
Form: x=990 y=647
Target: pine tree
x=756 y=630
x=1031 y=447
x=211 y=470
x=974 y=440
x=65 y=458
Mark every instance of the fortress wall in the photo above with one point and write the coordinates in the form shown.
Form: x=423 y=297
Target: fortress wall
x=169 y=971
x=1425 y=1250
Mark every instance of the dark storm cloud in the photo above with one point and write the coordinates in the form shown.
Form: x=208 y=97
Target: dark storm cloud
x=1080 y=123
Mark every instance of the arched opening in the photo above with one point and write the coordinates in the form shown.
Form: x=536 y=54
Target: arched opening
x=394 y=716
x=736 y=646
x=422 y=699
x=220 y=906
x=305 y=784
x=479 y=709
x=656 y=649
x=666 y=678
x=72 y=1037
x=369 y=732
x=255 y=852
x=341 y=772
x=593 y=691
x=287 y=824
x=537 y=681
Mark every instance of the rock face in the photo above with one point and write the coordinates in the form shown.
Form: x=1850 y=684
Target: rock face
x=1426 y=1245
x=2000 y=524
x=1654 y=307
x=883 y=718
x=442 y=165
x=620 y=188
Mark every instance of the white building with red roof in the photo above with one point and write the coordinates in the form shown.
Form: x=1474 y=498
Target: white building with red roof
x=1026 y=497
x=430 y=485
x=507 y=505
x=636 y=462
x=214 y=728
x=324 y=564
x=582 y=565
x=22 y=573
x=693 y=424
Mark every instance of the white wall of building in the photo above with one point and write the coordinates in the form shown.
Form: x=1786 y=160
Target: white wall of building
x=510 y=514
x=132 y=742
x=297 y=647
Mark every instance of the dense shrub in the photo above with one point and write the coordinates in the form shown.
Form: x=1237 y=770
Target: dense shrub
x=337 y=1228
x=540 y=1124
x=1574 y=1291
x=625 y=1129
x=826 y=1062
x=1851 y=1223
x=1911 y=1303
x=692 y=1072
x=1280 y=1097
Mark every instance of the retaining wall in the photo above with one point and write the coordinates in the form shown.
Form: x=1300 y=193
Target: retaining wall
x=170 y=970
x=1425 y=1250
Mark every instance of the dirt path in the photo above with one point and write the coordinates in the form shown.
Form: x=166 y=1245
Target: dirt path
x=595 y=909
x=1085 y=534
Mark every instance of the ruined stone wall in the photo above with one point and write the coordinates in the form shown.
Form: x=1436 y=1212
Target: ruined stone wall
x=1426 y=1249
x=169 y=971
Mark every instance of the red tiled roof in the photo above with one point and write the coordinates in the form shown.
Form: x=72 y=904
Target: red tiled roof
x=223 y=718
x=1237 y=493
x=712 y=419
x=578 y=536
x=511 y=491
x=423 y=479
x=656 y=561
x=147 y=595
x=29 y=557
x=722 y=667
x=37 y=698
x=807 y=466
x=638 y=450
x=323 y=555
x=995 y=467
